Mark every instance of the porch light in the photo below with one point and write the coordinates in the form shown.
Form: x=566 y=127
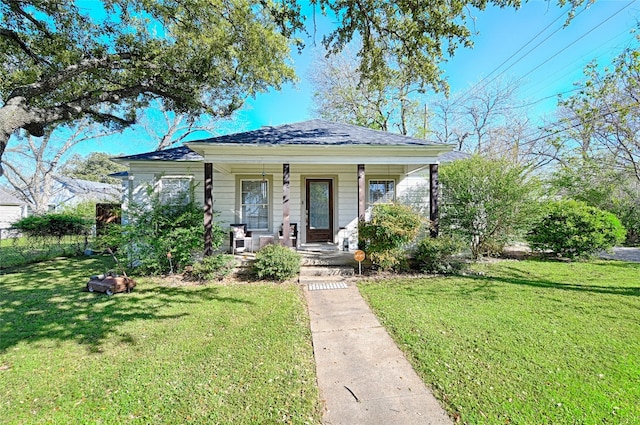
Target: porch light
x=263 y=184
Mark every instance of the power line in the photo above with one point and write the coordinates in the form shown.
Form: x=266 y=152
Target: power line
x=562 y=130
x=578 y=39
x=571 y=127
x=525 y=45
x=535 y=102
x=481 y=84
x=542 y=83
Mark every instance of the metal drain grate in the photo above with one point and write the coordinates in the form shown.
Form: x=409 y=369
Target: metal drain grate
x=327 y=285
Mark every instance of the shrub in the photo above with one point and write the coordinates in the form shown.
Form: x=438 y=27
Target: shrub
x=214 y=267
x=63 y=233
x=437 y=255
x=276 y=262
x=390 y=259
x=86 y=210
x=574 y=229
x=157 y=229
x=392 y=227
x=602 y=184
x=53 y=225
x=487 y=202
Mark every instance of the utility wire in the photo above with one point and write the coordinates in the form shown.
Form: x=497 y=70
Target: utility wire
x=571 y=70
x=578 y=39
x=483 y=83
x=571 y=127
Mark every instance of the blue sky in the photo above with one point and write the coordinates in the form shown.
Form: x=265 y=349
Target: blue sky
x=546 y=67
x=599 y=32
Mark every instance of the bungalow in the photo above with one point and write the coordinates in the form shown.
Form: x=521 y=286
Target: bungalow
x=308 y=182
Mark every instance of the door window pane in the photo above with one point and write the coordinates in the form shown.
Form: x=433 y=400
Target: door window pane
x=319 y=205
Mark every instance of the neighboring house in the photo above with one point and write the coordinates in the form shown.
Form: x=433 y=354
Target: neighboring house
x=67 y=191
x=320 y=175
x=12 y=209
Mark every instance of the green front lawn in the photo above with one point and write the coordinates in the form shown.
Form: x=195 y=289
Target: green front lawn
x=523 y=342
x=163 y=354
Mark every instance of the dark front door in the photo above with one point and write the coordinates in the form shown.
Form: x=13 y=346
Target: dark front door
x=319 y=210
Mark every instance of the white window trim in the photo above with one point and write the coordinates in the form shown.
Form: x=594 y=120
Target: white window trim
x=269 y=205
x=160 y=187
x=381 y=179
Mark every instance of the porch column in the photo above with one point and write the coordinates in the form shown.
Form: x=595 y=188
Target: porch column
x=286 y=206
x=433 y=199
x=361 y=192
x=208 y=209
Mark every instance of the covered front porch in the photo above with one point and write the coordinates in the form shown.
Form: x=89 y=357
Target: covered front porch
x=308 y=205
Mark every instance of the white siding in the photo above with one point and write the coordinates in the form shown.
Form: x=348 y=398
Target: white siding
x=224 y=198
x=413 y=190
x=9 y=214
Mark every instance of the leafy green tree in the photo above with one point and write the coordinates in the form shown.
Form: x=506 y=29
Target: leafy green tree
x=603 y=118
x=62 y=62
x=412 y=36
x=598 y=141
x=487 y=202
x=94 y=167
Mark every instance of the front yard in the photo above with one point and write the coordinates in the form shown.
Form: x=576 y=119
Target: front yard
x=163 y=354
x=523 y=342
x=515 y=343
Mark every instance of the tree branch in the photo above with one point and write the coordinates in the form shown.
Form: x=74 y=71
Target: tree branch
x=48 y=84
x=15 y=37
x=16 y=8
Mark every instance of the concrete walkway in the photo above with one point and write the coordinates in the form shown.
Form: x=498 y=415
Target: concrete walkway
x=362 y=375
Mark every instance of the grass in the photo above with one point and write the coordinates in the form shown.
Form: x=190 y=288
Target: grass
x=523 y=342
x=23 y=250
x=163 y=354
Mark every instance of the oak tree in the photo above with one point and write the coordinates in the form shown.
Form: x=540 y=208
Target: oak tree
x=61 y=62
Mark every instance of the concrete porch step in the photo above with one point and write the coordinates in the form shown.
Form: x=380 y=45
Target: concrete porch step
x=323 y=271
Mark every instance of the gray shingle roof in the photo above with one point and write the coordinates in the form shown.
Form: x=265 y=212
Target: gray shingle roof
x=313 y=132
x=454 y=156
x=84 y=190
x=119 y=174
x=181 y=153
x=9 y=199
x=317 y=132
